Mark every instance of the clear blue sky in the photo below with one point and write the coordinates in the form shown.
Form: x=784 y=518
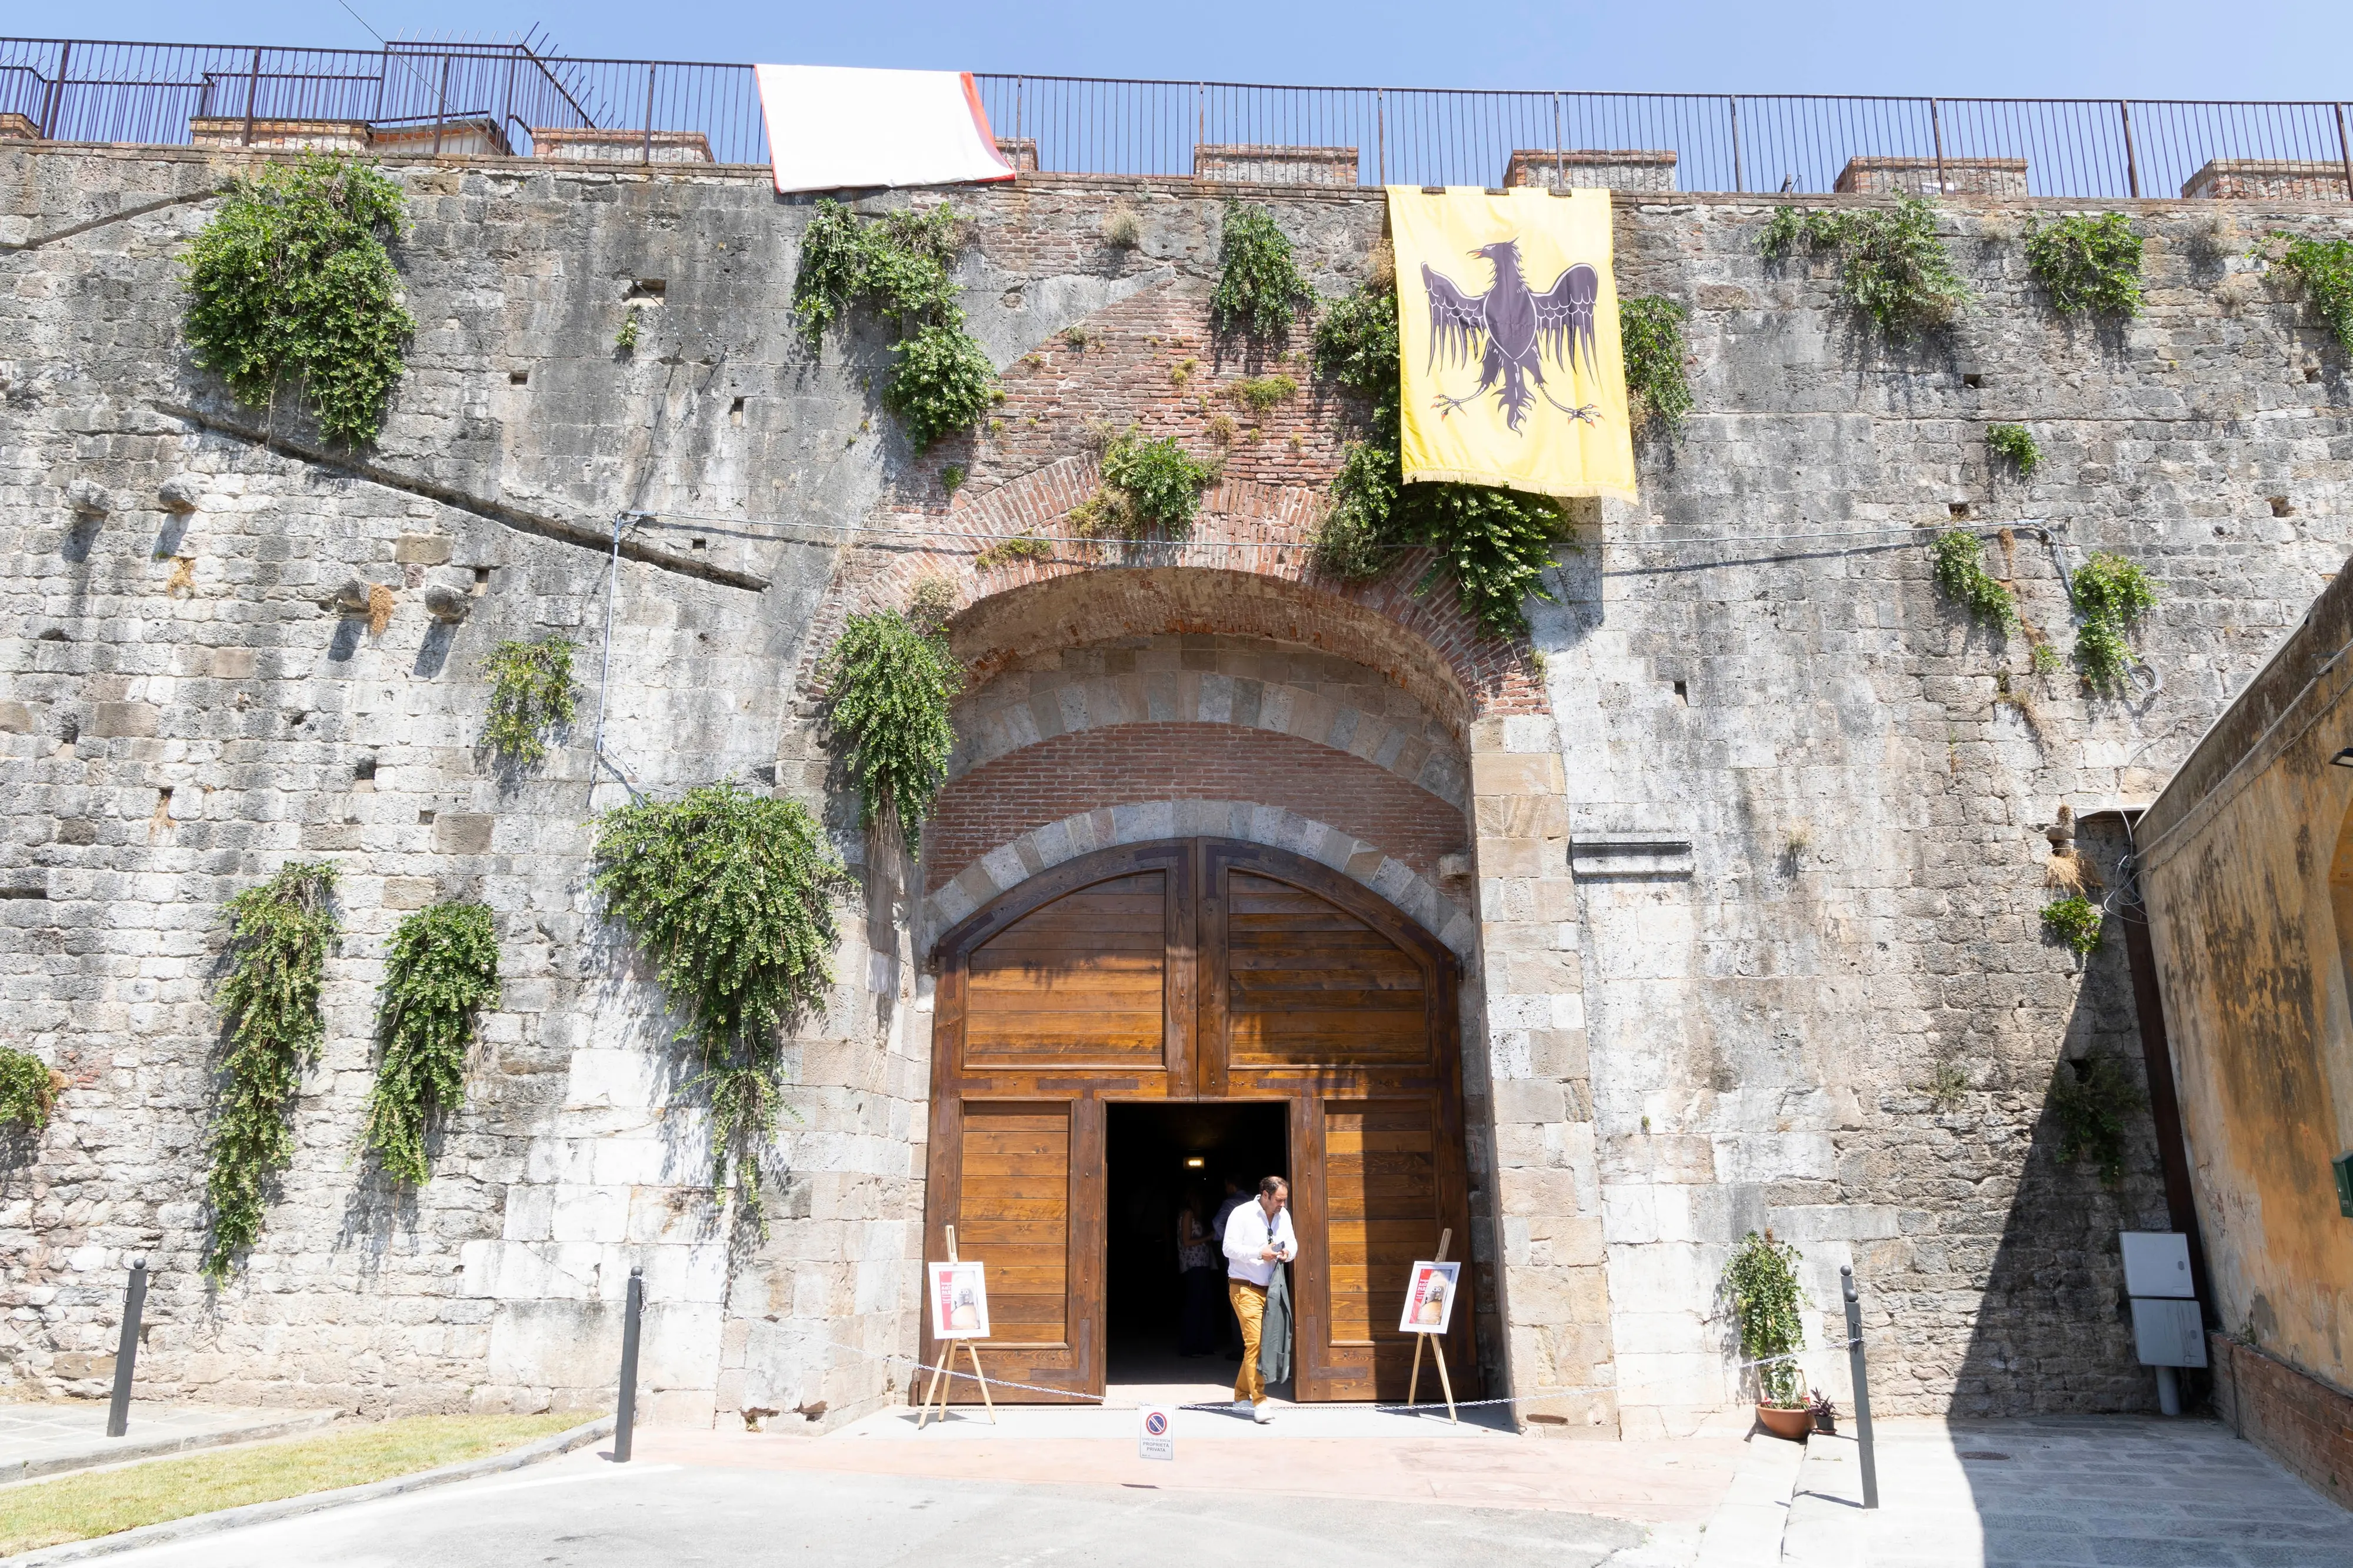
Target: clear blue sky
x=2267 y=49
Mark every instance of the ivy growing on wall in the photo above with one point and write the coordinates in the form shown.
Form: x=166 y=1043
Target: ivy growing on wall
x=898 y=267
x=1145 y=485
x=2075 y=921
x=2110 y=595
x=1259 y=287
x=530 y=694
x=2014 y=444
x=890 y=683
x=726 y=891
x=2091 y=1099
x=1892 y=266
x=442 y=969
x=27 y=1089
x=2088 y=264
x=1494 y=544
x=2325 y=268
x=1958 y=559
x=1650 y=334
x=290 y=282
x=279 y=936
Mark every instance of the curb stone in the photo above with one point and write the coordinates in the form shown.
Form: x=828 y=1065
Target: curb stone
x=128 y=1450
x=293 y=1507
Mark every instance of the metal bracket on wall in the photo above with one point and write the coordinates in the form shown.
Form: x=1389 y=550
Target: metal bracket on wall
x=1630 y=857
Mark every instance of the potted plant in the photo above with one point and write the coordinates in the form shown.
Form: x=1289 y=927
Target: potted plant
x=1824 y=1412
x=1761 y=1283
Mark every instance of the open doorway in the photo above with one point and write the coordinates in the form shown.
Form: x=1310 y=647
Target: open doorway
x=1155 y=1156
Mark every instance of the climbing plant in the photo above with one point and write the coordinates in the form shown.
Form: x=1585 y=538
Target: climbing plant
x=1259 y=287
x=290 y=282
x=279 y=936
x=443 y=968
x=1495 y=544
x=1651 y=333
x=2110 y=595
x=27 y=1089
x=531 y=693
x=2014 y=444
x=2325 y=268
x=726 y=891
x=898 y=267
x=1760 y=1284
x=889 y=684
x=2088 y=264
x=2075 y=921
x=2091 y=1099
x=1958 y=558
x=1892 y=266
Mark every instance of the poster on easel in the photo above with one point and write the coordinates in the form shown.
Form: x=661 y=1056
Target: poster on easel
x=959 y=1295
x=1428 y=1298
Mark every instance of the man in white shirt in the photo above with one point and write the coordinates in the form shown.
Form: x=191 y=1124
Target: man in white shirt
x=1258 y=1240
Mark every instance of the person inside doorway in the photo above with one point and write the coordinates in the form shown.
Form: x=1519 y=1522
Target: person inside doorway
x=1237 y=1195
x=1258 y=1240
x=1197 y=1262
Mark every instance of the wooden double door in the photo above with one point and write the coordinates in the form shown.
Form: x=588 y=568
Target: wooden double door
x=1197 y=969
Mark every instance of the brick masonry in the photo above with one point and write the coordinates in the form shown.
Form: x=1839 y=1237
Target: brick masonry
x=1753 y=660
x=2302 y=1422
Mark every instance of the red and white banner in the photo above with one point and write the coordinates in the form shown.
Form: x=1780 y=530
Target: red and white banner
x=834 y=128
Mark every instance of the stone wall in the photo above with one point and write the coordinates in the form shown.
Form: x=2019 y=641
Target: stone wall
x=1753 y=661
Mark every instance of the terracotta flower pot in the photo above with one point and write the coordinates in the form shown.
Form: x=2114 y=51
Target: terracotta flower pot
x=1791 y=1424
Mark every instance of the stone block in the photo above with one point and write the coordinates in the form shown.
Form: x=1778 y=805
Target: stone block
x=409 y=892
x=462 y=832
x=17 y=717
x=421 y=549
x=121 y=718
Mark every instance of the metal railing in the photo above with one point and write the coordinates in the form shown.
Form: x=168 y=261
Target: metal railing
x=98 y=91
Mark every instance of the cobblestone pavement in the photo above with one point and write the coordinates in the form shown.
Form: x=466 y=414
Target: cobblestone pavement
x=2025 y=1493
x=50 y=1440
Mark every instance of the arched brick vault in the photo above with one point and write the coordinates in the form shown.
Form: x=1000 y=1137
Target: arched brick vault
x=1245 y=568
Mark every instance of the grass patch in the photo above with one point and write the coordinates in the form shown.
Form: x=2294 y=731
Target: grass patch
x=76 y=1507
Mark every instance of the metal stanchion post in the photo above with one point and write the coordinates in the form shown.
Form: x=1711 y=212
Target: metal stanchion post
x=126 y=1349
x=625 y=1419
x=1861 y=1388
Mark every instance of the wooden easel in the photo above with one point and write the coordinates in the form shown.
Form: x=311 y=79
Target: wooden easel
x=1438 y=1351
x=939 y=1372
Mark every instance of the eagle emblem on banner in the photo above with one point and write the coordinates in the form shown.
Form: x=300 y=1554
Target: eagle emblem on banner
x=1512 y=330
x=1512 y=365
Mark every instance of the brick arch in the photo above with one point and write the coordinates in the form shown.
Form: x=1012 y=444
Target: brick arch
x=1025 y=856
x=1250 y=683
x=1247 y=568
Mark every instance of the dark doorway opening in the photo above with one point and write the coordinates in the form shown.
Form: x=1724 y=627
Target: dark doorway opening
x=1156 y=1155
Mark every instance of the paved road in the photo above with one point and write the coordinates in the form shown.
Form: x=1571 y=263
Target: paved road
x=584 y=1510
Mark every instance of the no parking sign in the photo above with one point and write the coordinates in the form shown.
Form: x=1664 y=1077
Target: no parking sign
x=1154 y=1437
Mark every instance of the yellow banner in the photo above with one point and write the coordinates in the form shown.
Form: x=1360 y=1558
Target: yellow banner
x=1507 y=319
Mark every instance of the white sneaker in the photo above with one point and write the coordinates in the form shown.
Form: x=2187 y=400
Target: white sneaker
x=1262 y=1413
x=1242 y=1407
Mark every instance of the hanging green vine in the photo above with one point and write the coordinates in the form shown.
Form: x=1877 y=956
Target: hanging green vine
x=1650 y=332
x=2088 y=264
x=1259 y=287
x=2325 y=268
x=1761 y=1285
x=891 y=684
x=291 y=281
x=531 y=693
x=279 y=936
x=28 y=1092
x=2014 y=444
x=726 y=891
x=442 y=969
x=2075 y=921
x=898 y=267
x=2110 y=595
x=1958 y=557
x=1495 y=544
x=2091 y=1100
x=1892 y=266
